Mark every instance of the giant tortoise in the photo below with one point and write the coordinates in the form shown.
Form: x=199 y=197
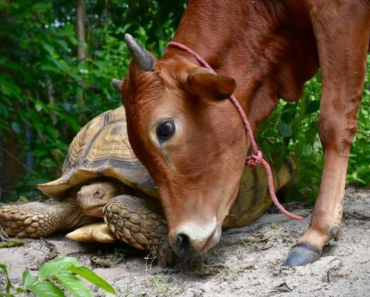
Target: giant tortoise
x=101 y=177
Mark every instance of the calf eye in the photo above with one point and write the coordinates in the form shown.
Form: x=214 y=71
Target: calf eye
x=165 y=130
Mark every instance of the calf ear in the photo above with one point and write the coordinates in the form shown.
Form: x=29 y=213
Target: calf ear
x=208 y=84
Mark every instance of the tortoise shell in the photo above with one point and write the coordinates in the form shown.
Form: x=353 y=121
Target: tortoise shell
x=101 y=149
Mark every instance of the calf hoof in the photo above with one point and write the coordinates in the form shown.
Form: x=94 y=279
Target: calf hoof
x=302 y=254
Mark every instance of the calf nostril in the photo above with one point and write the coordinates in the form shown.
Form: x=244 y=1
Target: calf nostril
x=183 y=245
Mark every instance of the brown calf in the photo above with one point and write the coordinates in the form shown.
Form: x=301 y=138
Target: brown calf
x=191 y=138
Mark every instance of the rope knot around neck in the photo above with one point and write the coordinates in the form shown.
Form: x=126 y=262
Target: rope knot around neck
x=254 y=159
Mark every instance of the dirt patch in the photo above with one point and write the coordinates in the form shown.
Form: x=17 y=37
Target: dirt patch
x=247 y=261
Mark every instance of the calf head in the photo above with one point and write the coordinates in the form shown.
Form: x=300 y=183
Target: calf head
x=190 y=138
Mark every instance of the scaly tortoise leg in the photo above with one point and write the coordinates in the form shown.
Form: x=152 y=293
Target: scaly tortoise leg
x=135 y=222
x=39 y=219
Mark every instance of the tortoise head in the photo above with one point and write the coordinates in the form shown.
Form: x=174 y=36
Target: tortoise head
x=94 y=196
x=190 y=138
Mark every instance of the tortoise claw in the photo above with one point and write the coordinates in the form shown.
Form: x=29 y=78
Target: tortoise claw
x=302 y=254
x=98 y=232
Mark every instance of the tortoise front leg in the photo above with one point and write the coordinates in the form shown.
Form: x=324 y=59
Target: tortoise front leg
x=133 y=221
x=39 y=219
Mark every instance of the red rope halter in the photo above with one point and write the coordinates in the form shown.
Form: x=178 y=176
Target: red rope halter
x=256 y=157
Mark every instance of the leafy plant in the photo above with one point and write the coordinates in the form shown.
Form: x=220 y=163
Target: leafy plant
x=41 y=77
x=55 y=275
x=158 y=283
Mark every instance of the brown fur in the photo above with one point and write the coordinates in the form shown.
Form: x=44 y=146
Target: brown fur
x=270 y=48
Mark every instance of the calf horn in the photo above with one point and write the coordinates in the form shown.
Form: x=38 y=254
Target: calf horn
x=142 y=58
x=117 y=84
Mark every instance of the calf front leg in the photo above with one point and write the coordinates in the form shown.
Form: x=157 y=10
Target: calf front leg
x=343 y=44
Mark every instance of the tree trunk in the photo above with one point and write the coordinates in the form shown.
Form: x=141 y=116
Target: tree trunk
x=11 y=168
x=81 y=47
x=49 y=89
x=81 y=15
x=105 y=10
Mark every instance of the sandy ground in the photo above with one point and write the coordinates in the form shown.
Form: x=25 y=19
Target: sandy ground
x=247 y=261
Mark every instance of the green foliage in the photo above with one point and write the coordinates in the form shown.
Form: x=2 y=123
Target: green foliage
x=293 y=129
x=8 y=282
x=46 y=94
x=359 y=162
x=159 y=286
x=55 y=275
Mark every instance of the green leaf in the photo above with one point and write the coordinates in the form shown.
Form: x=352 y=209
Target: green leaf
x=46 y=289
x=62 y=65
x=28 y=279
x=9 y=87
x=307 y=150
x=63 y=44
x=15 y=127
x=38 y=105
x=3 y=59
x=50 y=68
x=313 y=106
x=73 y=284
x=92 y=277
x=50 y=50
x=41 y=7
x=8 y=282
x=285 y=130
x=53 y=267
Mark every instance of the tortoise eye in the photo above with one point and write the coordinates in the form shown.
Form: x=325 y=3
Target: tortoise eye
x=165 y=130
x=98 y=193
